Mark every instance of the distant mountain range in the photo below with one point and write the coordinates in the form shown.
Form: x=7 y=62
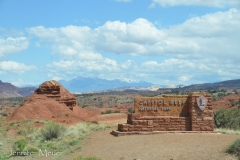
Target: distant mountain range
x=226 y=85
x=8 y=90
x=82 y=84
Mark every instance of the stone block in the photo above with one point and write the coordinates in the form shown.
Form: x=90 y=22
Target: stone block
x=196 y=129
x=207 y=118
x=124 y=130
x=149 y=126
x=138 y=126
x=164 y=123
x=135 y=122
x=150 y=122
x=138 y=129
x=195 y=126
x=166 y=119
x=145 y=129
x=206 y=128
x=131 y=129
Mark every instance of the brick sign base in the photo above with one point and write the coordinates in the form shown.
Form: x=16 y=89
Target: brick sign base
x=170 y=113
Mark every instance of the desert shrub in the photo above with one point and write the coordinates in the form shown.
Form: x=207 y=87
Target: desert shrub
x=230 y=119
x=3 y=155
x=100 y=127
x=95 y=122
x=19 y=145
x=234 y=148
x=4 y=114
x=131 y=110
x=25 y=130
x=32 y=149
x=73 y=142
x=116 y=111
x=110 y=112
x=86 y=158
x=3 y=132
x=52 y=130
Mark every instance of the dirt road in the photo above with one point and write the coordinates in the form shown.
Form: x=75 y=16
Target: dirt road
x=175 y=146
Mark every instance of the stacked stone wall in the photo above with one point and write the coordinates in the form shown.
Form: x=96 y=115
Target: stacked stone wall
x=155 y=123
x=194 y=120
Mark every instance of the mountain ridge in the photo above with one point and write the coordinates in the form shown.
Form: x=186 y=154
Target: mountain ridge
x=7 y=90
x=82 y=84
x=226 y=85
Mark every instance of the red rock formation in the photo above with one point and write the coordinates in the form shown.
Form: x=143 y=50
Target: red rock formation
x=51 y=101
x=54 y=90
x=225 y=102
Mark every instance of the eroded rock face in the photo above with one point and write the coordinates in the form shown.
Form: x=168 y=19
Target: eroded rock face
x=54 y=90
x=51 y=101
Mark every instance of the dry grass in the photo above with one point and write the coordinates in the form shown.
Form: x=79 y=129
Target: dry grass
x=227 y=131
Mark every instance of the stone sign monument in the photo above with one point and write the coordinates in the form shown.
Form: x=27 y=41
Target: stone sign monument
x=191 y=112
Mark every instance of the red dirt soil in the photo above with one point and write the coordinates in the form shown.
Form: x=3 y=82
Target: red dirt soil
x=225 y=102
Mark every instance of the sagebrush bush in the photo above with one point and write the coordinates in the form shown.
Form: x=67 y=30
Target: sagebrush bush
x=4 y=114
x=131 y=110
x=26 y=130
x=234 y=148
x=3 y=155
x=116 y=111
x=52 y=130
x=227 y=118
x=19 y=145
x=110 y=112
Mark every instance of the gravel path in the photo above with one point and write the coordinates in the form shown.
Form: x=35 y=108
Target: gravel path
x=158 y=147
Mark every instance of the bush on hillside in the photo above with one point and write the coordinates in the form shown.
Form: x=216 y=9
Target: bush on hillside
x=52 y=130
x=227 y=118
x=19 y=145
x=131 y=110
x=234 y=148
x=110 y=112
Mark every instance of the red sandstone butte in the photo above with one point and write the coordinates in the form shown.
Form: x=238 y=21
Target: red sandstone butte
x=51 y=101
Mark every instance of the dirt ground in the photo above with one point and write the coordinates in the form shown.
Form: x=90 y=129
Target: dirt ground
x=167 y=146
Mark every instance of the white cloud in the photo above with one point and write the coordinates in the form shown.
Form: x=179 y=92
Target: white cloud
x=13 y=45
x=16 y=67
x=185 y=78
x=211 y=3
x=202 y=47
x=134 y=38
x=123 y=0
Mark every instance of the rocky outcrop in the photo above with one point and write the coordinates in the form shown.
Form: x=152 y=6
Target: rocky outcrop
x=225 y=102
x=51 y=101
x=54 y=90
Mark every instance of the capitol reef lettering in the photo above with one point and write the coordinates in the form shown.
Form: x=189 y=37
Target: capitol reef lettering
x=156 y=104
x=160 y=106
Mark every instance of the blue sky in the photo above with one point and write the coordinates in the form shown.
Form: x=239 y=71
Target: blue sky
x=166 y=42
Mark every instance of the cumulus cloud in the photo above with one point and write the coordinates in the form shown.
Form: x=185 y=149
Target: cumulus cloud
x=193 y=37
x=201 y=46
x=13 y=45
x=16 y=67
x=212 y=3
